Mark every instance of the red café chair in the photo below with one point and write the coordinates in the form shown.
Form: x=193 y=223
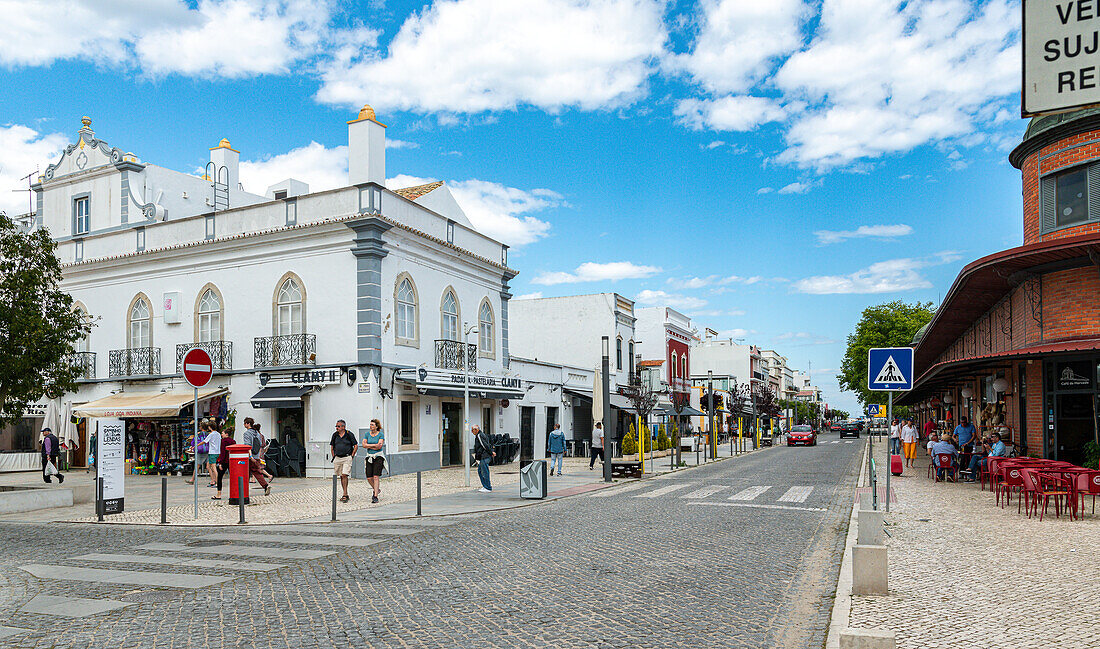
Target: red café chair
x=1037 y=485
x=1087 y=483
x=1011 y=479
x=946 y=462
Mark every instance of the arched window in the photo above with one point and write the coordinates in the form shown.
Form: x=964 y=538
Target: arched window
x=209 y=315
x=141 y=324
x=289 y=308
x=449 y=316
x=619 y=354
x=630 y=354
x=684 y=366
x=82 y=344
x=405 y=314
x=485 y=329
x=673 y=367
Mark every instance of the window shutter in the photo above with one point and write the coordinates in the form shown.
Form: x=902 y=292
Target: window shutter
x=1046 y=198
x=1094 y=191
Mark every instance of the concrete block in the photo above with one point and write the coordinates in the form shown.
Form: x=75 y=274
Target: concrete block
x=867 y=639
x=33 y=499
x=865 y=502
x=869 y=531
x=83 y=493
x=869 y=570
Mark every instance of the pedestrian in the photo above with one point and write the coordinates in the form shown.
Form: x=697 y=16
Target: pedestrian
x=483 y=450
x=255 y=442
x=222 y=464
x=264 y=444
x=895 y=438
x=198 y=442
x=555 y=444
x=929 y=428
x=375 y=444
x=213 y=451
x=597 y=444
x=965 y=433
x=909 y=442
x=342 y=447
x=51 y=451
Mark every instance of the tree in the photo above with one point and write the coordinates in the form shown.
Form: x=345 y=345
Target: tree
x=886 y=325
x=38 y=325
x=640 y=395
x=739 y=396
x=766 y=403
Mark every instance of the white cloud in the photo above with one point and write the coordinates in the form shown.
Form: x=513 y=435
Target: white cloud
x=529 y=296
x=734 y=334
x=225 y=38
x=468 y=56
x=718 y=280
x=501 y=212
x=732 y=113
x=738 y=42
x=400 y=144
x=597 y=272
x=795 y=188
x=825 y=237
x=716 y=313
x=765 y=190
x=892 y=276
x=22 y=150
x=674 y=300
x=314 y=164
x=803 y=339
x=885 y=77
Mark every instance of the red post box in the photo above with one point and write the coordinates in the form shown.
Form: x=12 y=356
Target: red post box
x=238 y=468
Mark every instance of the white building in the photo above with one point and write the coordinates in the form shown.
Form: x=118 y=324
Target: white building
x=350 y=303
x=555 y=394
x=663 y=333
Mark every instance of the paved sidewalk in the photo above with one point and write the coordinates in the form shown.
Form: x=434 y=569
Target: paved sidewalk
x=966 y=573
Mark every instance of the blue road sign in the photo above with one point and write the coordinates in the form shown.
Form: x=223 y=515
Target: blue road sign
x=890 y=369
x=875 y=410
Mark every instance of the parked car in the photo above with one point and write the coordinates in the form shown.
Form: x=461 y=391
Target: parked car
x=804 y=435
x=851 y=429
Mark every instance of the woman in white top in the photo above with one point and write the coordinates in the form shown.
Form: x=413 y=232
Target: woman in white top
x=909 y=441
x=895 y=438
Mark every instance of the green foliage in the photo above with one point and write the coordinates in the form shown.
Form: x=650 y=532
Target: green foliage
x=630 y=445
x=886 y=325
x=38 y=326
x=663 y=444
x=1092 y=454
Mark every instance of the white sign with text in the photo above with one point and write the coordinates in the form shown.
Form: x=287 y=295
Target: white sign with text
x=111 y=463
x=1061 y=44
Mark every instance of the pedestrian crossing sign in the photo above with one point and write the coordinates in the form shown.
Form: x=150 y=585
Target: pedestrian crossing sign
x=876 y=410
x=890 y=369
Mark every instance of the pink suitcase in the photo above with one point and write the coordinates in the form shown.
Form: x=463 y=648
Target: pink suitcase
x=895 y=464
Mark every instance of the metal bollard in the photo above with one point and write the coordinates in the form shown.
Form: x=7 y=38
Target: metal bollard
x=418 y=509
x=334 y=479
x=697 y=453
x=99 y=498
x=671 y=462
x=240 y=498
x=163 y=501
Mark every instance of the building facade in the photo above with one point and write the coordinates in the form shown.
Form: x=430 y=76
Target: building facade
x=668 y=335
x=1015 y=345
x=354 y=303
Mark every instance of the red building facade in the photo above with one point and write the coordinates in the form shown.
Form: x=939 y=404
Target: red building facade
x=1015 y=345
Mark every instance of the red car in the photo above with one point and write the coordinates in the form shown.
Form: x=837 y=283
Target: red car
x=804 y=435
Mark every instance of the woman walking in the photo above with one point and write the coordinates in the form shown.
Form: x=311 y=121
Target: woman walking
x=909 y=442
x=223 y=460
x=213 y=449
x=374 y=442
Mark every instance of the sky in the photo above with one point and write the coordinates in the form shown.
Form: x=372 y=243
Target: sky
x=768 y=168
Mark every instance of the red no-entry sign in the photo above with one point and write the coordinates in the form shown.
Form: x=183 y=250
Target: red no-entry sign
x=198 y=369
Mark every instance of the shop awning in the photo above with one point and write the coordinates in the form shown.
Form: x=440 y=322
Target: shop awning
x=621 y=402
x=688 y=411
x=579 y=394
x=280 y=397
x=143 y=404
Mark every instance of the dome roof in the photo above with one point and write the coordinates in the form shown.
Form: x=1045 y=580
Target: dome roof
x=920 y=334
x=366 y=112
x=1047 y=129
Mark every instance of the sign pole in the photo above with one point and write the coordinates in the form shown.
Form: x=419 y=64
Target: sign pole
x=195 y=412
x=890 y=421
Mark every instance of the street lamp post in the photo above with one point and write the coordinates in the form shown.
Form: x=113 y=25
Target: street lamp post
x=755 y=423
x=467 y=329
x=710 y=412
x=606 y=388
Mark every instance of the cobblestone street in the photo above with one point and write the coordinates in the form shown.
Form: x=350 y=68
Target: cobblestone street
x=636 y=565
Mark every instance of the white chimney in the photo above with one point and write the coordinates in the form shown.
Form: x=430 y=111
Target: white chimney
x=225 y=156
x=366 y=149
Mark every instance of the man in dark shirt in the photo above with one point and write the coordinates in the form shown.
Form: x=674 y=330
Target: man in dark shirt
x=342 y=447
x=51 y=450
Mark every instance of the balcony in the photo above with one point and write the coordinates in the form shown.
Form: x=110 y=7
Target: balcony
x=279 y=351
x=679 y=385
x=221 y=353
x=140 y=361
x=84 y=363
x=449 y=355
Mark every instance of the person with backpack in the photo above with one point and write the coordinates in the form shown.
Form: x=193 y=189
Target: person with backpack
x=264 y=444
x=555 y=444
x=51 y=451
x=483 y=451
x=255 y=441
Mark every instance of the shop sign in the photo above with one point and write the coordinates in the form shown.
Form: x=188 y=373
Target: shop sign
x=300 y=378
x=111 y=463
x=1070 y=379
x=364 y=388
x=491 y=381
x=1060 y=40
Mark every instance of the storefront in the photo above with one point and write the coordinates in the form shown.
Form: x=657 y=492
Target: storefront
x=19 y=449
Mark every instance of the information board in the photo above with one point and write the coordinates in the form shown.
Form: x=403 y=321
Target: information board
x=1060 y=45
x=111 y=463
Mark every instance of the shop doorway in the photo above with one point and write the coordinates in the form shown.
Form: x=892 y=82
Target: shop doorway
x=526 y=434
x=487 y=420
x=452 y=434
x=80 y=453
x=290 y=430
x=1075 y=426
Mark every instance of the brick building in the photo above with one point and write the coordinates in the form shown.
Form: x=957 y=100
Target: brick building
x=1015 y=345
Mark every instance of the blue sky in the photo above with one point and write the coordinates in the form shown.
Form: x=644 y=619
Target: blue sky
x=770 y=168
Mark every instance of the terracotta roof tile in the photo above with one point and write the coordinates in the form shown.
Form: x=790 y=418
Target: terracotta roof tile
x=416 y=191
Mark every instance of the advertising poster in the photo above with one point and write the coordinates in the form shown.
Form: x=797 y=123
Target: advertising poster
x=111 y=463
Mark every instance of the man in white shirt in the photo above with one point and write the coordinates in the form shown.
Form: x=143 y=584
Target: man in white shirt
x=597 y=444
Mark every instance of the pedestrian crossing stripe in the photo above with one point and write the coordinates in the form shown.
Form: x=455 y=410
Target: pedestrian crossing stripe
x=704 y=492
x=750 y=493
x=657 y=493
x=797 y=494
x=835 y=441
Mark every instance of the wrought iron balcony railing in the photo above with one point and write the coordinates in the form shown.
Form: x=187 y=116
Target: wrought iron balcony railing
x=292 y=349
x=140 y=361
x=221 y=353
x=449 y=355
x=84 y=362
